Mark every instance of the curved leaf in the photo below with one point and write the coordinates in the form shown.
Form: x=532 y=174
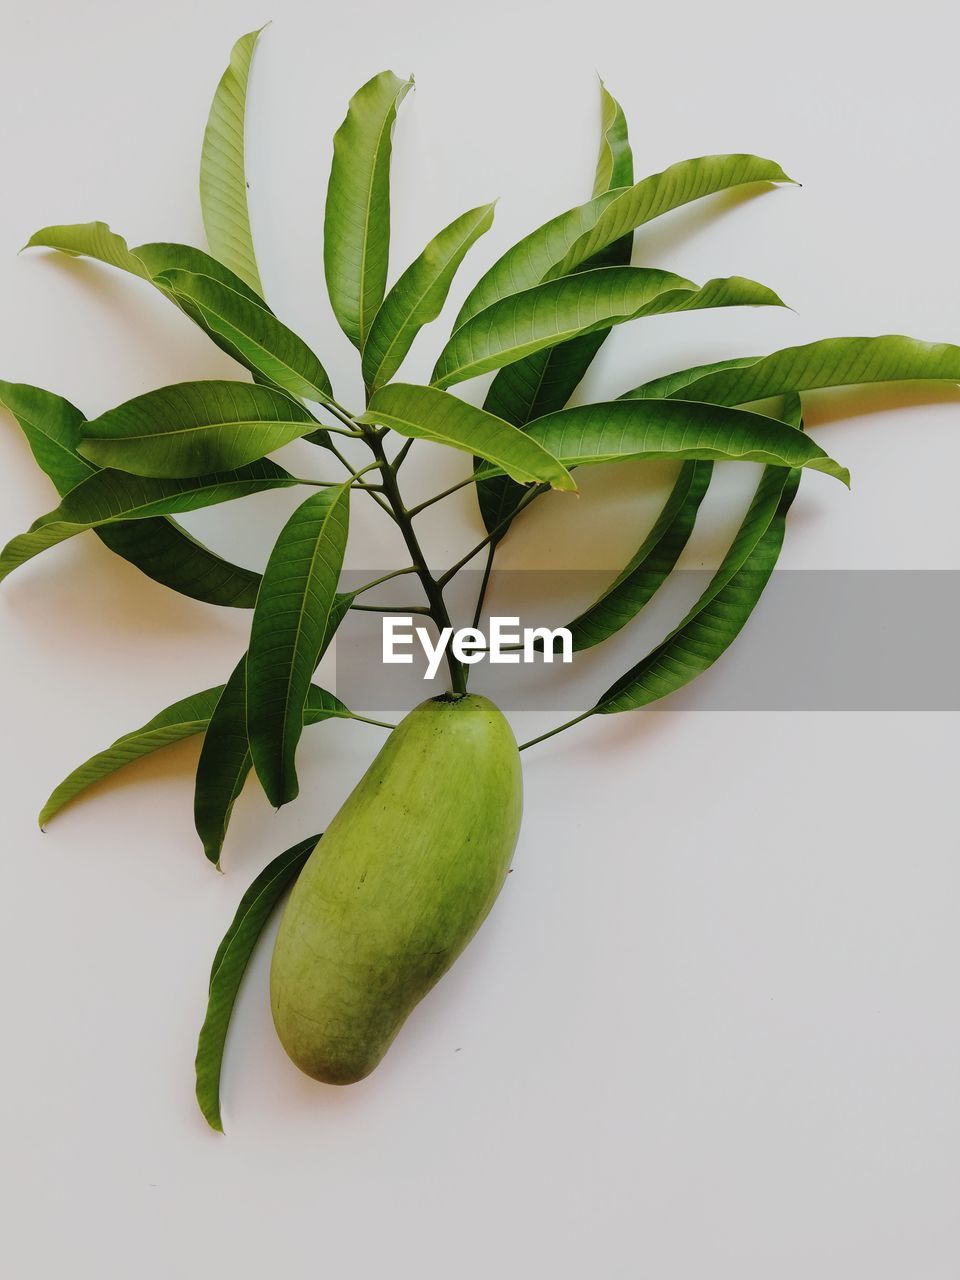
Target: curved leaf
x=263 y=342
x=676 y=186
x=225 y=756
x=182 y=719
x=223 y=182
x=652 y=564
x=428 y=414
x=719 y=615
x=419 y=295
x=833 y=362
x=565 y=243
x=108 y=497
x=356 y=229
x=615 y=161
x=229 y=965
x=194 y=428
x=580 y=304
x=160 y=548
x=622 y=429
x=293 y=622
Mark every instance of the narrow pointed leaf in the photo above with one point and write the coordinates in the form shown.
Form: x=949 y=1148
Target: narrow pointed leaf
x=223 y=182
x=580 y=304
x=108 y=497
x=615 y=161
x=264 y=343
x=356 y=231
x=720 y=614
x=182 y=719
x=419 y=295
x=652 y=564
x=293 y=622
x=229 y=966
x=225 y=761
x=833 y=362
x=428 y=414
x=160 y=548
x=565 y=243
x=194 y=428
x=622 y=429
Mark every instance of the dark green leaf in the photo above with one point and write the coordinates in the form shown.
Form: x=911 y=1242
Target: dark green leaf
x=356 y=231
x=294 y=620
x=194 y=428
x=108 y=497
x=425 y=413
x=229 y=965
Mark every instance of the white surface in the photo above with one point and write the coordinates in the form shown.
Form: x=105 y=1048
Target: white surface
x=710 y=1029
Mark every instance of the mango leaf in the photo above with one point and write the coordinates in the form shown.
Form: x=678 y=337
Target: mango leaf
x=160 y=548
x=180 y=720
x=544 y=382
x=580 y=304
x=833 y=362
x=108 y=497
x=566 y=242
x=293 y=622
x=356 y=229
x=615 y=161
x=229 y=966
x=264 y=343
x=194 y=428
x=719 y=615
x=223 y=182
x=651 y=565
x=621 y=429
x=419 y=295
x=428 y=414
x=678 y=185
x=225 y=760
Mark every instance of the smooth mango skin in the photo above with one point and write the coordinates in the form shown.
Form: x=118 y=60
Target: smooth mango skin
x=397 y=887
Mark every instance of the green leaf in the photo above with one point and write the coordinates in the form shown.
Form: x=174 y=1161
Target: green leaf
x=419 y=295
x=160 y=548
x=719 y=615
x=293 y=622
x=428 y=414
x=544 y=382
x=565 y=243
x=648 y=199
x=622 y=429
x=225 y=760
x=652 y=564
x=615 y=161
x=180 y=720
x=229 y=966
x=580 y=304
x=262 y=341
x=194 y=428
x=223 y=182
x=833 y=362
x=356 y=230
x=111 y=496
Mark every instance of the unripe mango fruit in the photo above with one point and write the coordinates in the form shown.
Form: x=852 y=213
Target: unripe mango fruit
x=397 y=886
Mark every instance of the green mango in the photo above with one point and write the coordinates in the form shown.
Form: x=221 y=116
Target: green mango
x=397 y=886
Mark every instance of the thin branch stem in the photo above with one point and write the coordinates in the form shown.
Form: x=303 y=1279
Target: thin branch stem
x=484 y=583
x=398 y=460
x=492 y=537
x=392 y=608
x=381 y=724
x=385 y=577
x=439 y=497
x=559 y=729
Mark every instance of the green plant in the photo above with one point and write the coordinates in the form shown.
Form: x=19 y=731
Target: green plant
x=536 y=318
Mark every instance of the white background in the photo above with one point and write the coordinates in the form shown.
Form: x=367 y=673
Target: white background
x=711 y=1027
